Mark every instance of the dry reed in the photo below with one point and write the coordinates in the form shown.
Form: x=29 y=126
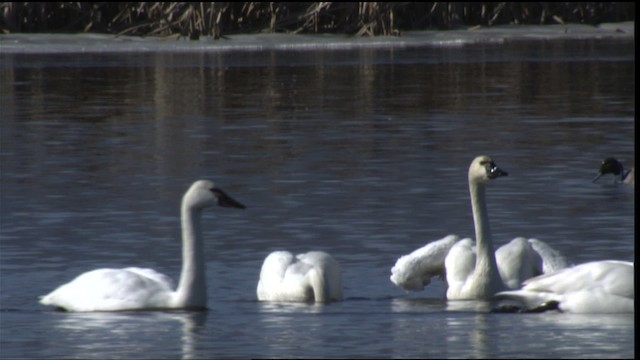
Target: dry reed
x=193 y=19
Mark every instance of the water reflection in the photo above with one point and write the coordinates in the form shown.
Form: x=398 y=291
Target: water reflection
x=193 y=324
x=470 y=305
x=98 y=333
x=425 y=304
x=265 y=307
x=471 y=333
x=363 y=154
x=287 y=329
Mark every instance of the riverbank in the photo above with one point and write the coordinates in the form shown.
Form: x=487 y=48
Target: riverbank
x=214 y=19
x=98 y=43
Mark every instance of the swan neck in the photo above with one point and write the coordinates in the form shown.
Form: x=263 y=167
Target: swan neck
x=484 y=247
x=192 y=290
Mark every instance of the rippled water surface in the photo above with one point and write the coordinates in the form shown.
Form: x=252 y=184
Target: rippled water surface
x=362 y=152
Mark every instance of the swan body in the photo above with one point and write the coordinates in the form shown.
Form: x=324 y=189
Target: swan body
x=594 y=287
x=613 y=166
x=517 y=261
x=314 y=276
x=145 y=289
x=472 y=269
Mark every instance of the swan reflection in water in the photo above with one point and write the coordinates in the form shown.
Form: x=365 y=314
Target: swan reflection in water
x=101 y=330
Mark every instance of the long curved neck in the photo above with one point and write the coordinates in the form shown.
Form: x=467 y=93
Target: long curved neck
x=485 y=258
x=192 y=291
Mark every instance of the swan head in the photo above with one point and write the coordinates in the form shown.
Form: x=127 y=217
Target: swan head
x=609 y=166
x=204 y=193
x=483 y=169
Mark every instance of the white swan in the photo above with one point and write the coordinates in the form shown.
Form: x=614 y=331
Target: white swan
x=314 y=276
x=594 y=287
x=138 y=289
x=613 y=166
x=472 y=270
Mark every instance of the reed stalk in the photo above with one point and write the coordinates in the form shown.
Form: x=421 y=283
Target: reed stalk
x=216 y=19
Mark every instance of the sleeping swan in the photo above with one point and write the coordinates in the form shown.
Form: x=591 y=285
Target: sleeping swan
x=314 y=276
x=613 y=166
x=472 y=269
x=594 y=287
x=145 y=289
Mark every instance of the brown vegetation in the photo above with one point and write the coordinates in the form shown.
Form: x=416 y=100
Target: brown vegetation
x=193 y=19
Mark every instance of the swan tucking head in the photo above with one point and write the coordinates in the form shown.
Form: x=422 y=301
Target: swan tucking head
x=483 y=169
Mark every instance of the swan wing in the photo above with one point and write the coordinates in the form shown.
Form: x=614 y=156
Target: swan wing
x=528 y=300
x=615 y=277
x=324 y=275
x=272 y=273
x=517 y=261
x=111 y=290
x=159 y=278
x=594 y=300
x=552 y=259
x=284 y=277
x=415 y=270
x=460 y=264
x=521 y=259
x=595 y=287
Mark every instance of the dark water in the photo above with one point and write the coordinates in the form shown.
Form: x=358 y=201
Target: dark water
x=359 y=152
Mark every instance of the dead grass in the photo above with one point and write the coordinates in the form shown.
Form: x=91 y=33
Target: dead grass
x=195 y=19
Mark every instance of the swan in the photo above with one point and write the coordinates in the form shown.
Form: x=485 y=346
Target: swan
x=595 y=287
x=145 y=289
x=314 y=276
x=472 y=269
x=613 y=166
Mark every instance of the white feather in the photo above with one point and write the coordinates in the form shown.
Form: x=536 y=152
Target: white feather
x=137 y=288
x=473 y=274
x=595 y=287
x=314 y=276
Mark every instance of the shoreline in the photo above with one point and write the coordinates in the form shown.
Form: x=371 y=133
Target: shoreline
x=42 y=43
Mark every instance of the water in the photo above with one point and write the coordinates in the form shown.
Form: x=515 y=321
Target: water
x=359 y=151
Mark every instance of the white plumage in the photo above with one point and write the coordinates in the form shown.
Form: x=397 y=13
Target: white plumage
x=472 y=269
x=314 y=276
x=517 y=260
x=594 y=287
x=136 y=288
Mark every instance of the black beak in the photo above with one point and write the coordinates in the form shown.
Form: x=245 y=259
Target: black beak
x=494 y=171
x=225 y=200
x=597 y=177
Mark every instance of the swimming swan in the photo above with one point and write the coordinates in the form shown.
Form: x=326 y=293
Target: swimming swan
x=145 y=289
x=594 y=287
x=613 y=166
x=473 y=270
x=314 y=276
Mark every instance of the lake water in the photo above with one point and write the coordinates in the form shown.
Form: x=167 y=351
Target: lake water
x=360 y=150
